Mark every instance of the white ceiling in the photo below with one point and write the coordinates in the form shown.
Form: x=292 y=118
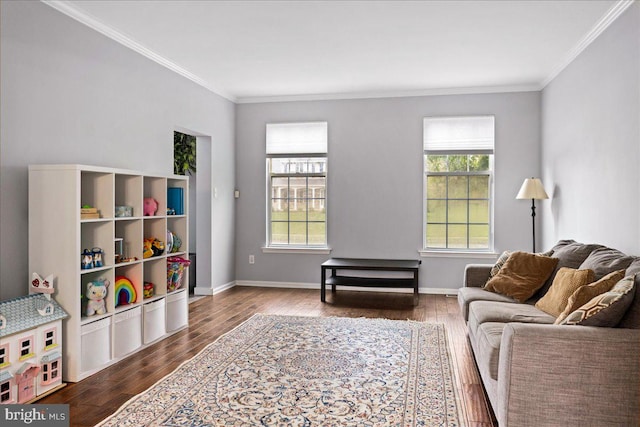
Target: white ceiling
x=275 y=50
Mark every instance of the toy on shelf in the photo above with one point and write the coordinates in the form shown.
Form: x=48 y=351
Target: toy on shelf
x=147 y=291
x=97 y=257
x=176 y=242
x=124 y=211
x=96 y=292
x=150 y=206
x=175 y=271
x=89 y=212
x=152 y=247
x=125 y=291
x=86 y=260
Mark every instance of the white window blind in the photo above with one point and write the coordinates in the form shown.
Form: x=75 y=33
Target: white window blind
x=297 y=138
x=473 y=135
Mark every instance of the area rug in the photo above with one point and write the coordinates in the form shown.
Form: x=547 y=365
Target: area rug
x=308 y=371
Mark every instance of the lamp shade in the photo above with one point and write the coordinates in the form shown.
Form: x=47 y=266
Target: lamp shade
x=532 y=189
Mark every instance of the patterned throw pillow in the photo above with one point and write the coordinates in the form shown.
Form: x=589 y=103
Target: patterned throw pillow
x=499 y=263
x=584 y=294
x=606 y=309
x=565 y=283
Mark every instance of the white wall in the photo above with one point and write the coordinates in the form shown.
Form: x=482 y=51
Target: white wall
x=591 y=142
x=71 y=95
x=375 y=180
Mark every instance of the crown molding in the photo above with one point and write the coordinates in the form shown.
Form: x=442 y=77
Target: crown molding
x=93 y=23
x=612 y=14
x=390 y=94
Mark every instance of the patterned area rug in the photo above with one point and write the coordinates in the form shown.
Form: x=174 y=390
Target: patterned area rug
x=308 y=371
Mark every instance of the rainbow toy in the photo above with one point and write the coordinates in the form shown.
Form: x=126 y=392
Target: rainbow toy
x=125 y=291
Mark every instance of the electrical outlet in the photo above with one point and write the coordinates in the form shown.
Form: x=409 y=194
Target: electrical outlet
x=252 y=259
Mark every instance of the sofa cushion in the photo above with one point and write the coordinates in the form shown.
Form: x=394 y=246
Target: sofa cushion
x=467 y=295
x=584 y=294
x=522 y=275
x=634 y=267
x=488 y=340
x=570 y=254
x=631 y=318
x=566 y=282
x=605 y=309
x=605 y=260
x=490 y=311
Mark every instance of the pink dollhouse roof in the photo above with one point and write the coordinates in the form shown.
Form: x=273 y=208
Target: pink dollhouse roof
x=21 y=313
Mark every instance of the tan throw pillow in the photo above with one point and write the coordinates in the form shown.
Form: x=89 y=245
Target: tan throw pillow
x=606 y=309
x=565 y=283
x=522 y=275
x=584 y=294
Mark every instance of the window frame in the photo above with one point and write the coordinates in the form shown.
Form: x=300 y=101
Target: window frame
x=303 y=140
x=296 y=174
x=489 y=250
x=4 y=357
x=29 y=347
x=7 y=392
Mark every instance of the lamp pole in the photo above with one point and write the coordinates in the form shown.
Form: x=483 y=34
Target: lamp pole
x=533 y=222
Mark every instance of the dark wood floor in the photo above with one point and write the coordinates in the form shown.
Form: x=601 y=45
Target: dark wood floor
x=96 y=397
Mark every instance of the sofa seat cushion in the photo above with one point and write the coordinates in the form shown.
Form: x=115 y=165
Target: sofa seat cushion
x=467 y=295
x=490 y=311
x=488 y=337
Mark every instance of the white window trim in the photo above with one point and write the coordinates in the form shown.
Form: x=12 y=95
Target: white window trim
x=296 y=250
x=489 y=252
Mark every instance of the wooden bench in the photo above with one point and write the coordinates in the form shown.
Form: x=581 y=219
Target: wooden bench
x=368 y=265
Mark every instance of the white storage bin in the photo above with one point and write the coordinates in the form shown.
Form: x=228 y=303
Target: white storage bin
x=127 y=331
x=96 y=344
x=177 y=310
x=154 y=320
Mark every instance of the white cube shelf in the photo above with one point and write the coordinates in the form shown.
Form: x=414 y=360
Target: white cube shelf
x=130 y=323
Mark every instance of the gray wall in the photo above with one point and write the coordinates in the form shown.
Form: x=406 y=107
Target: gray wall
x=71 y=95
x=375 y=180
x=591 y=142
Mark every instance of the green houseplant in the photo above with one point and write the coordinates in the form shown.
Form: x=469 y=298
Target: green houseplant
x=184 y=153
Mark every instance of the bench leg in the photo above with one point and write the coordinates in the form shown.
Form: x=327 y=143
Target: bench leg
x=323 y=285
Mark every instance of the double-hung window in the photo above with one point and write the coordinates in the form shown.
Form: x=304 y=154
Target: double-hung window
x=297 y=184
x=458 y=186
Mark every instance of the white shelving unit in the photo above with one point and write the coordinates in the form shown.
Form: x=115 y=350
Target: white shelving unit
x=58 y=235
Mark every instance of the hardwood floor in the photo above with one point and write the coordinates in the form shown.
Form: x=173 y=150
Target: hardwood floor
x=98 y=396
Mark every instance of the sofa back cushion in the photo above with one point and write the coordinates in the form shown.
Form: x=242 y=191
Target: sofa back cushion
x=631 y=319
x=605 y=260
x=570 y=254
x=522 y=275
x=566 y=282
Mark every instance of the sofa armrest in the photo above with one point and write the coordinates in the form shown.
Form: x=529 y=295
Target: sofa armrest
x=568 y=375
x=476 y=275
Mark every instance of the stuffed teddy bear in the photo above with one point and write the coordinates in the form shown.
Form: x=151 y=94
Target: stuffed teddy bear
x=96 y=291
x=150 y=206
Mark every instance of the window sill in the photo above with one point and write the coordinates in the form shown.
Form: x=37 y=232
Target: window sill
x=456 y=254
x=295 y=250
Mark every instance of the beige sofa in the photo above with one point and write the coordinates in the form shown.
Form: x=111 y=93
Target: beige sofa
x=540 y=374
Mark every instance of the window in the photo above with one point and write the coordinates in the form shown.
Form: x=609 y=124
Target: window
x=26 y=348
x=5 y=391
x=297 y=184
x=50 y=368
x=49 y=338
x=458 y=186
x=4 y=355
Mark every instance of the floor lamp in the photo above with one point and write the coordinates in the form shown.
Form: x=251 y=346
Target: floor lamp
x=532 y=189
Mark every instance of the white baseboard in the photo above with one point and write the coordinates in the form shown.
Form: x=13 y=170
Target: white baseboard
x=300 y=285
x=201 y=290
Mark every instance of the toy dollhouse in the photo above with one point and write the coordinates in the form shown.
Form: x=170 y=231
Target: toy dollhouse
x=30 y=347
